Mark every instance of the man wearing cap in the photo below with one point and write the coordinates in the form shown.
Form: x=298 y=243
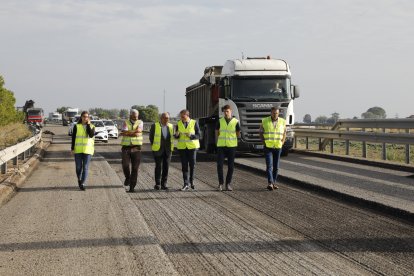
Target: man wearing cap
x=131 y=149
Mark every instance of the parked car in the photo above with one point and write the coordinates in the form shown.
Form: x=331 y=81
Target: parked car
x=112 y=128
x=101 y=134
x=72 y=124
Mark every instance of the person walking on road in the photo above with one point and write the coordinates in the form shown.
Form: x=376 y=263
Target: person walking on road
x=273 y=134
x=131 y=149
x=162 y=144
x=188 y=134
x=83 y=147
x=227 y=132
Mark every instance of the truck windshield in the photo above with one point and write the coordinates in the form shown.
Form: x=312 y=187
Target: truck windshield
x=71 y=113
x=108 y=123
x=261 y=89
x=33 y=112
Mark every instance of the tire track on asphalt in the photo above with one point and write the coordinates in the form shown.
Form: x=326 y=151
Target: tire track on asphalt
x=303 y=224
x=300 y=211
x=230 y=247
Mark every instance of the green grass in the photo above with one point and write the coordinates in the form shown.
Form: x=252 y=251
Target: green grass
x=12 y=134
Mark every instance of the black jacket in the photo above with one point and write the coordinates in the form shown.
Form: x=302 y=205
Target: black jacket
x=165 y=142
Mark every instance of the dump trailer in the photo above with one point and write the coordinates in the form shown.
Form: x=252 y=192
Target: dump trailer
x=251 y=87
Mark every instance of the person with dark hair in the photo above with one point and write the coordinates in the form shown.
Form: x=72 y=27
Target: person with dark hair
x=162 y=144
x=227 y=132
x=273 y=134
x=131 y=149
x=83 y=146
x=188 y=134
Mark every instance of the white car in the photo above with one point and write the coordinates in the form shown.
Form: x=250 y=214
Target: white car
x=72 y=124
x=101 y=134
x=112 y=128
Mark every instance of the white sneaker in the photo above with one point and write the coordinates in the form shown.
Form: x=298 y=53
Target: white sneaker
x=220 y=187
x=185 y=188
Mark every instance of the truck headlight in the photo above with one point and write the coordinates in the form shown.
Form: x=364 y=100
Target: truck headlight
x=289 y=132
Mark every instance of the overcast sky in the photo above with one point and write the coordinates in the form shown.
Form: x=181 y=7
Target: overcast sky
x=345 y=55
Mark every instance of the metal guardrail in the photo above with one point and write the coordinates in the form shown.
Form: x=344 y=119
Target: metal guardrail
x=361 y=135
x=22 y=149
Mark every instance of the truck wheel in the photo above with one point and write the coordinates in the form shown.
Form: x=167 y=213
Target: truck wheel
x=209 y=148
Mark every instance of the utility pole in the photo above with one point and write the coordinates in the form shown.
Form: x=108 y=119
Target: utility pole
x=163 y=107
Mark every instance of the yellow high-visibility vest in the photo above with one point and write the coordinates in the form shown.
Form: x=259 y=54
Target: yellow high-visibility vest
x=227 y=133
x=156 y=144
x=184 y=142
x=273 y=135
x=132 y=141
x=84 y=143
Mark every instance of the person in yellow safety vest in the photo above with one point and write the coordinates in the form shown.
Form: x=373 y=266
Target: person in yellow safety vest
x=227 y=132
x=161 y=137
x=187 y=132
x=273 y=134
x=131 y=143
x=83 y=147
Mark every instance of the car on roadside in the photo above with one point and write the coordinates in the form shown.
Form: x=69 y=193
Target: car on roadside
x=112 y=128
x=101 y=134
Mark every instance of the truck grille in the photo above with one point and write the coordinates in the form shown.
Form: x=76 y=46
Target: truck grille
x=250 y=120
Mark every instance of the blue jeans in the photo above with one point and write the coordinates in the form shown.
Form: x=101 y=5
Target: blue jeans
x=82 y=161
x=272 y=163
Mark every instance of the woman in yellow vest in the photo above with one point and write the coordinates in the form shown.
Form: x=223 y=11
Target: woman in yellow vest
x=227 y=131
x=188 y=134
x=83 y=146
x=273 y=134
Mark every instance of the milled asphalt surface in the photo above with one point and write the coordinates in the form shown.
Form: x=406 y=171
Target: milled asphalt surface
x=52 y=228
x=386 y=188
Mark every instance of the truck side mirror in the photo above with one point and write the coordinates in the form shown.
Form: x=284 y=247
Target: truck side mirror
x=295 y=91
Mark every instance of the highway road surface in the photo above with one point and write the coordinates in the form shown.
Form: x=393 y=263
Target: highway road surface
x=50 y=227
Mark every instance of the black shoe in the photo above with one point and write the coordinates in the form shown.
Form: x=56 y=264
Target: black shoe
x=192 y=186
x=164 y=188
x=126 y=182
x=157 y=187
x=131 y=190
x=81 y=185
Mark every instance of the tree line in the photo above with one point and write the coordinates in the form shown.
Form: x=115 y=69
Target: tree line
x=375 y=112
x=147 y=113
x=8 y=112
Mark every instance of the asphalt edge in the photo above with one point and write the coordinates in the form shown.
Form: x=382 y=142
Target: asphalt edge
x=10 y=186
x=365 y=203
x=359 y=160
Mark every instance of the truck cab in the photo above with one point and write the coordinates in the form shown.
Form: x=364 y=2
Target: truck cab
x=251 y=87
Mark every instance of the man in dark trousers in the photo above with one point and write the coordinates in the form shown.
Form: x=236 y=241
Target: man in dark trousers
x=188 y=134
x=161 y=137
x=131 y=149
x=227 y=132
